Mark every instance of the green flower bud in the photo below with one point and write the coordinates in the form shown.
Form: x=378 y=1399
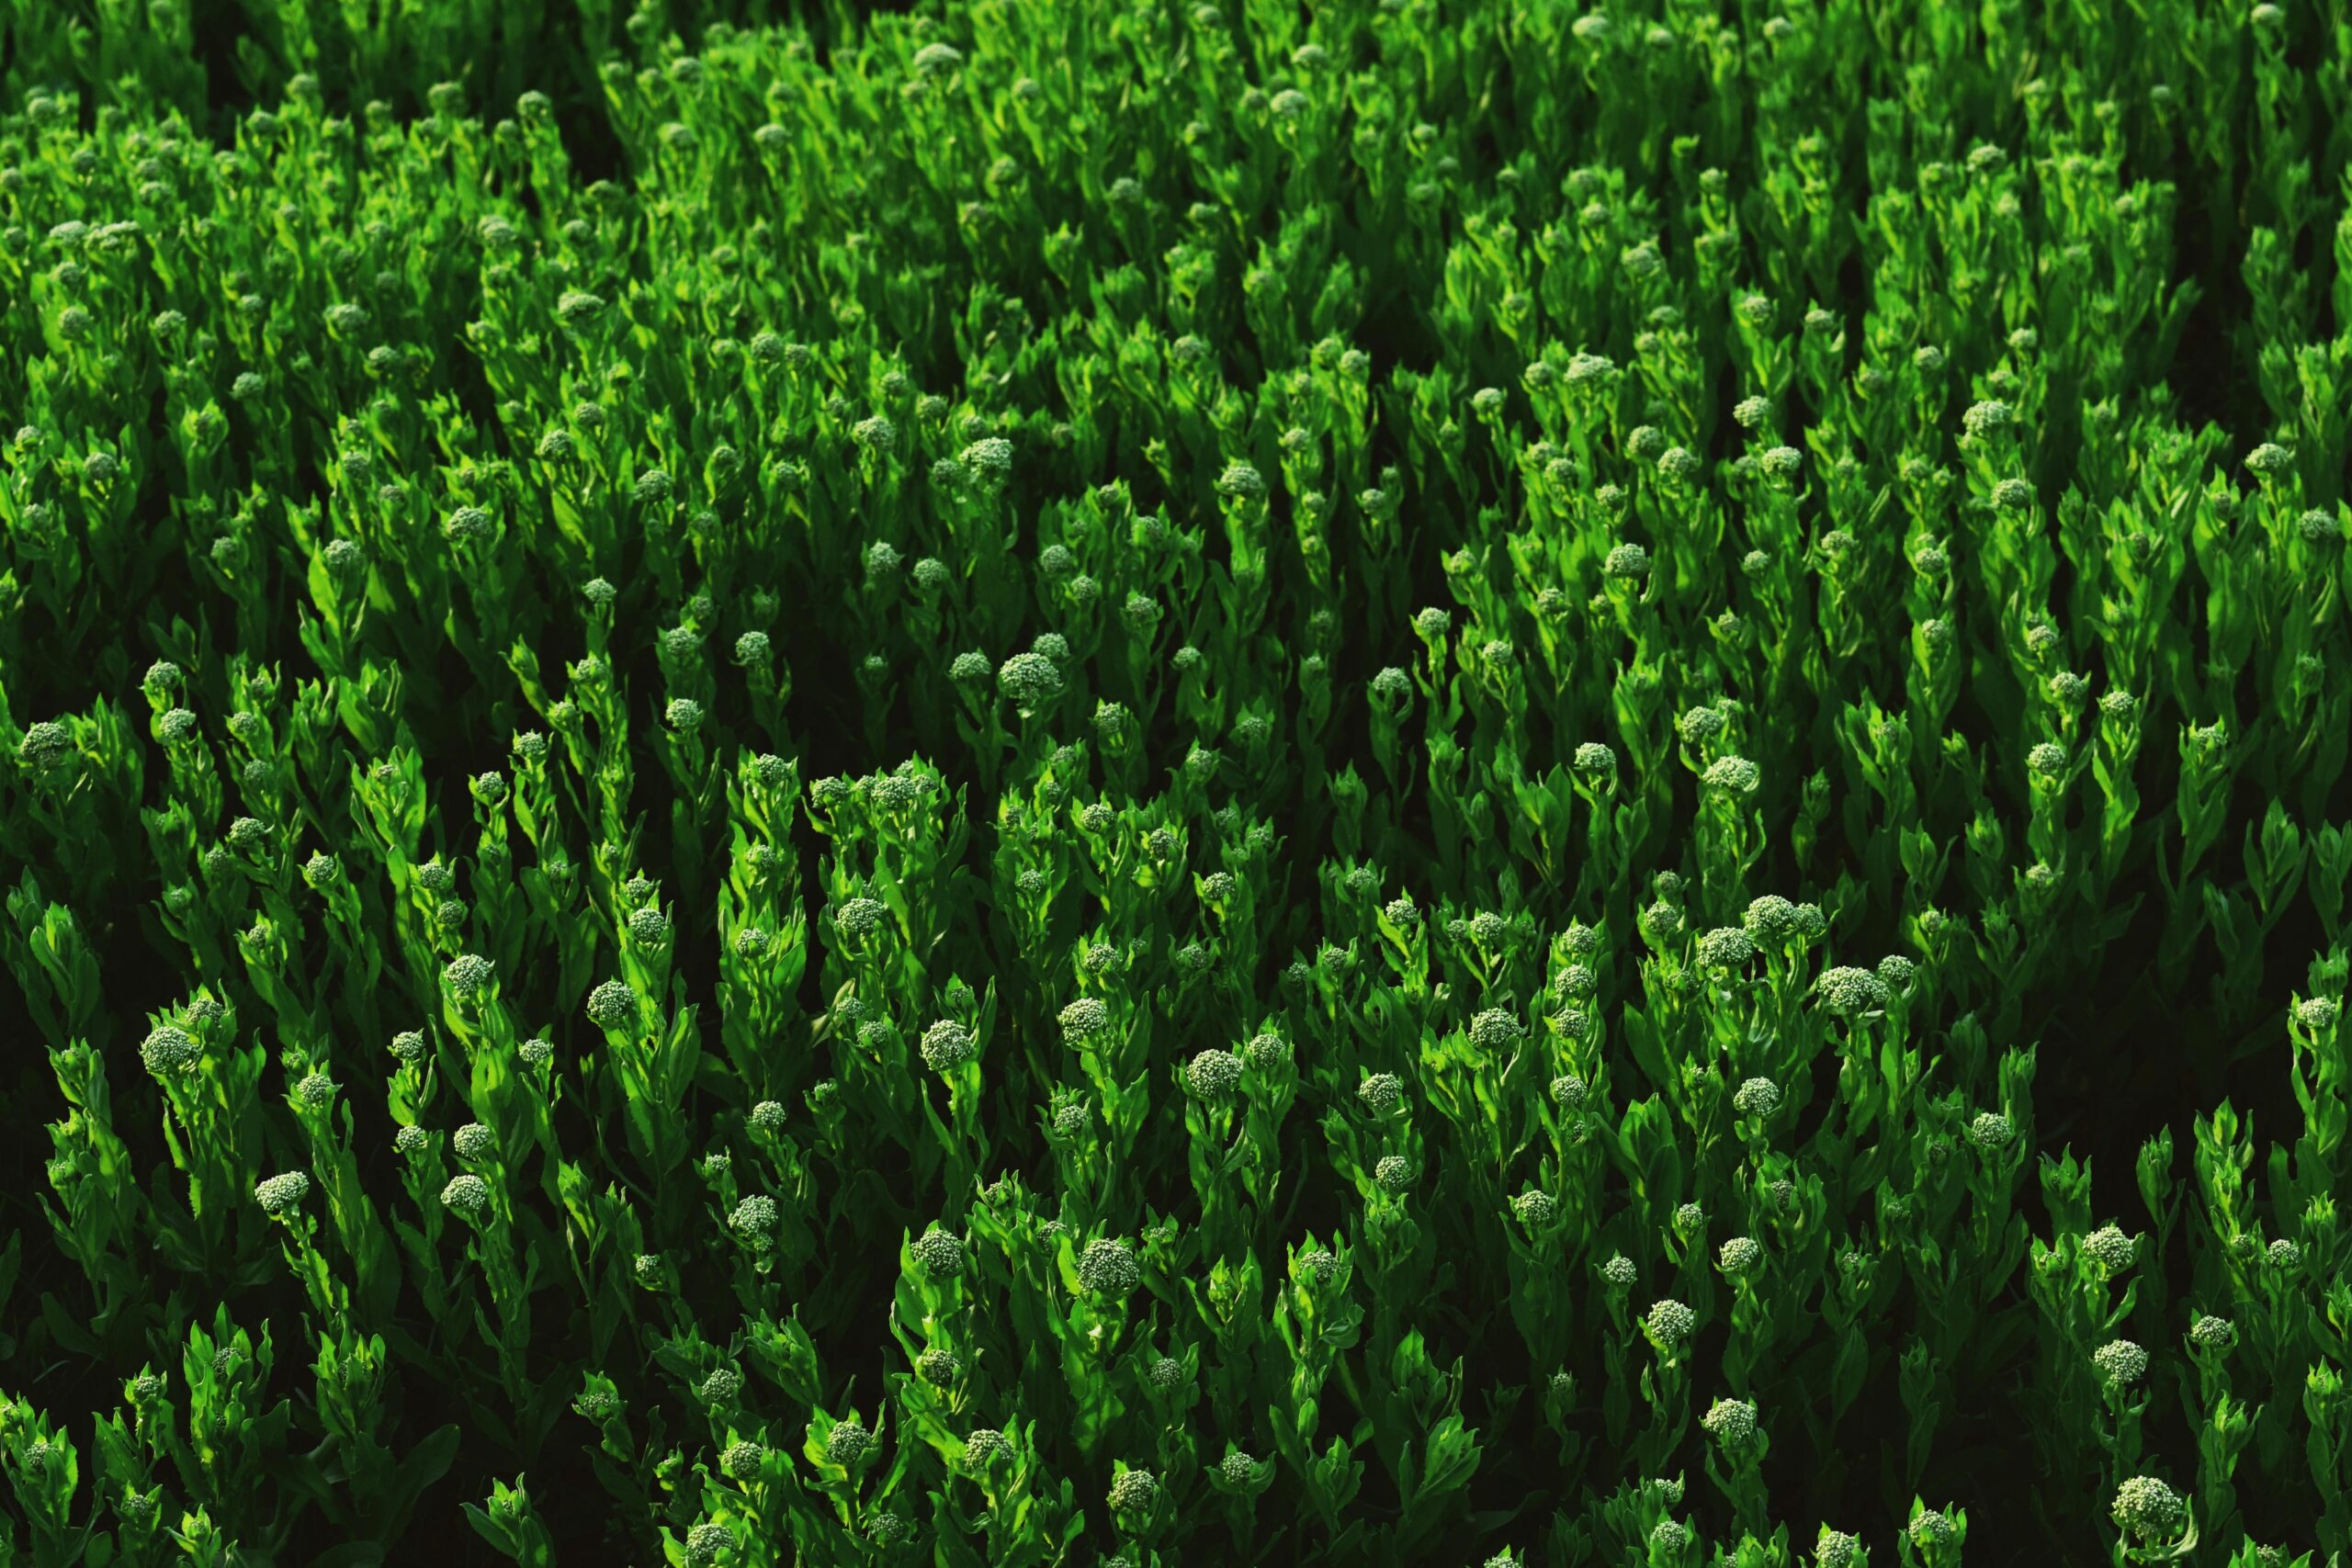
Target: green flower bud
x=1732 y=1422
x=1107 y=1268
x=847 y=1443
x=2120 y=1363
x=1930 y=1529
x=1134 y=1491
x=280 y=1193
x=1214 y=1072
x=939 y=1253
x=2148 y=1509
x=2110 y=1249
x=467 y=1193
x=1669 y=1322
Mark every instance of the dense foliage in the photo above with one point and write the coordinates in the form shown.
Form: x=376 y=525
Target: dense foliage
x=1080 y=783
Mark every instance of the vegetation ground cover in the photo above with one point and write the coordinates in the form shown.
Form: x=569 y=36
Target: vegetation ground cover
x=1054 y=782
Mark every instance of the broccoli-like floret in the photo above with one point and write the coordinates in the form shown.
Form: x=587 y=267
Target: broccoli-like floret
x=1029 y=680
x=1266 y=1052
x=1847 y=992
x=754 y=1220
x=1701 y=725
x=1725 y=947
x=474 y=1141
x=280 y=1193
x=991 y=457
x=1494 y=1029
x=1731 y=1421
x=946 y=1046
x=857 y=919
x=2149 y=1509
x=1758 y=1096
x=1990 y=1131
x=1107 y=1268
x=2211 y=1333
x=168 y=1051
x=1834 y=1549
x=1212 y=1072
x=1731 y=775
x=1084 y=1018
x=1771 y=918
x=847 y=1443
x=939 y=1253
x=1739 y=1255
x=466 y=1193
x=2110 y=1249
x=2120 y=1363
x=1669 y=1322
x=1983 y=418
x=705 y=1542
x=2270 y=459
x=468 y=975
x=1930 y=1529
x=1594 y=758
x=1134 y=1491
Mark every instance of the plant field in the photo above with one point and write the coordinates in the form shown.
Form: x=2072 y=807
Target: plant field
x=1068 y=782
